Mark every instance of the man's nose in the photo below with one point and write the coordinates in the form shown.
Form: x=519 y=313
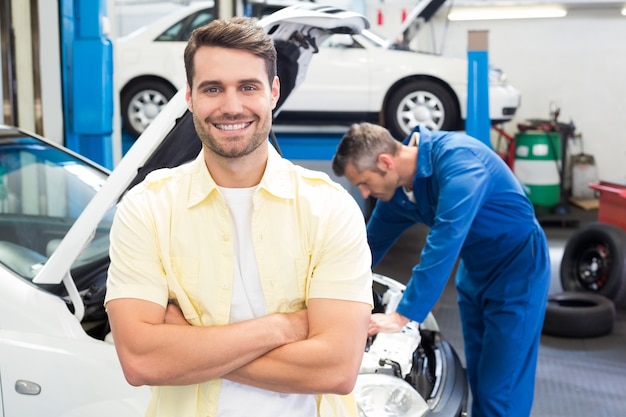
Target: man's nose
x=231 y=102
x=365 y=192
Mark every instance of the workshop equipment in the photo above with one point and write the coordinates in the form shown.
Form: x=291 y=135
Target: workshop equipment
x=555 y=149
x=537 y=165
x=583 y=172
x=612 y=207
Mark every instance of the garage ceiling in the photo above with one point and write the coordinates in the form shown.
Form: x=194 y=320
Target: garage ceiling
x=576 y=7
x=535 y=2
x=570 y=3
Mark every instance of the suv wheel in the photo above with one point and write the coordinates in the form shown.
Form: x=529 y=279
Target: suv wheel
x=142 y=102
x=421 y=102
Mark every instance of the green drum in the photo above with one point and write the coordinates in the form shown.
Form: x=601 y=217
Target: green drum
x=538 y=165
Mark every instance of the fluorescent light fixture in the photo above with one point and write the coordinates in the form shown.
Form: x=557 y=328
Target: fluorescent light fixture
x=506 y=12
x=624 y=11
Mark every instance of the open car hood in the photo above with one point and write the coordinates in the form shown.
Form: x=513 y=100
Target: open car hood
x=421 y=13
x=296 y=30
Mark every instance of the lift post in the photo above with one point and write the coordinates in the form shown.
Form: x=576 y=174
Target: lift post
x=478 y=122
x=87 y=59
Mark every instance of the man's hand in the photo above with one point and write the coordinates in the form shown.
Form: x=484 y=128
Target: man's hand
x=330 y=357
x=386 y=323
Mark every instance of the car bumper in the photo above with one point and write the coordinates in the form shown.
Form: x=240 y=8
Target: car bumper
x=504 y=100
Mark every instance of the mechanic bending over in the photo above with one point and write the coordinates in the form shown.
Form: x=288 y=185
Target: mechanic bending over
x=475 y=209
x=266 y=264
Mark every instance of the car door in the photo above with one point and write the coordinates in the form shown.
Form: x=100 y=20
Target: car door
x=55 y=376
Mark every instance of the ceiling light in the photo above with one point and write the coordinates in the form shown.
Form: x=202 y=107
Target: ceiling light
x=505 y=12
x=624 y=11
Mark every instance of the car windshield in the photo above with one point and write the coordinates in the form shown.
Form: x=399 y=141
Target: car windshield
x=366 y=37
x=181 y=30
x=43 y=189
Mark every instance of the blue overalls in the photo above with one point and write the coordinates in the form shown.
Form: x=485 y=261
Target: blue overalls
x=476 y=209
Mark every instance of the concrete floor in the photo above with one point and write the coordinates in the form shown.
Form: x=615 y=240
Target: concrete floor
x=575 y=377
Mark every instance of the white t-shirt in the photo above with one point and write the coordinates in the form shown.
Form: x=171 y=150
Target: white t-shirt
x=248 y=302
x=414 y=141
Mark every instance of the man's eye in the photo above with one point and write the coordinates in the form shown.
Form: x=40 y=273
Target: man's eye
x=209 y=89
x=248 y=88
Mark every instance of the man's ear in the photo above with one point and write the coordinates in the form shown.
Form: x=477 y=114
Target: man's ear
x=385 y=162
x=275 y=92
x=188 y=97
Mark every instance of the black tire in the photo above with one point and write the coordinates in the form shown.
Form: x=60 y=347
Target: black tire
x=578 y=315
x=421 y=102
x=594 y=260
x=142 y=101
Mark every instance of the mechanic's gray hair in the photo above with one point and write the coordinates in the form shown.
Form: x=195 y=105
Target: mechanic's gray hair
x=361 y=146
x=242 y=33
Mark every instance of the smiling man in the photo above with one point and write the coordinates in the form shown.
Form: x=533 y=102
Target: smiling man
x=239 y=284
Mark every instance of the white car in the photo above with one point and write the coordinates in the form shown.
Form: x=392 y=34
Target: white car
x=54 y=357
x=56 y=210
x=360 y=77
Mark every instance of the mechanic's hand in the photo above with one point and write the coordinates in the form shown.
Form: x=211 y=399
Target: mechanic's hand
x=174 y=315
x=386 y=323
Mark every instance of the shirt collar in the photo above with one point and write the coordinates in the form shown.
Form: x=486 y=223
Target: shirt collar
x=275 y=180
x=414 y=139
x=424 y=160
x=277 y=176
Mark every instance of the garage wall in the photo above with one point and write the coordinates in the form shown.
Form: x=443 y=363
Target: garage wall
x=577 y=62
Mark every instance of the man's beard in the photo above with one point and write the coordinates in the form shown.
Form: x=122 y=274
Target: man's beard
x=236 y=151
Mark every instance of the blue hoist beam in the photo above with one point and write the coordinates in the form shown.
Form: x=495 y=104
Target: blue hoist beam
x=87 y=60
x=478 y=122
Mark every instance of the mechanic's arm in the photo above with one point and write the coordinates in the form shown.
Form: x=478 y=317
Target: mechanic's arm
x=464 y=182
x=153 y=352
x=328 y=361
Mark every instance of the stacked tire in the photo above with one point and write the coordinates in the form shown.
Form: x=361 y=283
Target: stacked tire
x=593 y=277
x=579 y=315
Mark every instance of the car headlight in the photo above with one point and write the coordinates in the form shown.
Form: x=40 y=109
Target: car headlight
x=380 y=395
x=497 y=76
